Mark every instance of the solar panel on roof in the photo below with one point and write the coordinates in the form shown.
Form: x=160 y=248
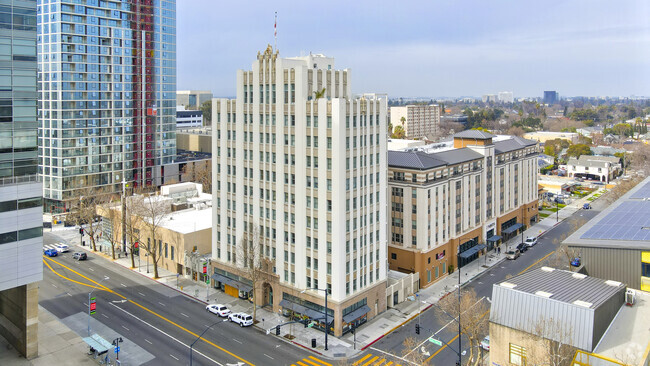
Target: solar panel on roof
x=629 y=221
x=643 y=192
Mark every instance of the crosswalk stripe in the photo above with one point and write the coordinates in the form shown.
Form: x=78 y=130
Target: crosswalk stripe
x=390 y=363
x=310 y=362
x=361 y=360
x=321 y=361
x=300 y=363
x=380 y=362
x=371 y=361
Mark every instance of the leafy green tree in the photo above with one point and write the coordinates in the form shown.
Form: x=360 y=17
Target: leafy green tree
x=578 y=150
x=550 y=150
x=206 y=108
x=319 y=94
x=399 y=132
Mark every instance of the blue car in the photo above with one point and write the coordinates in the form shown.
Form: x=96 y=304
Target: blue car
x=586 y=206
x=51 y=252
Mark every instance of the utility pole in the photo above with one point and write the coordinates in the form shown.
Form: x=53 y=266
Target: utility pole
x=124 y=215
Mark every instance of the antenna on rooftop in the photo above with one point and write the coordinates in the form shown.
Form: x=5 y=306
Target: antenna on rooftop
x=275 y=31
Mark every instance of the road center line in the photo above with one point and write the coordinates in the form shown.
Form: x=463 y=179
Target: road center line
x=162 y=332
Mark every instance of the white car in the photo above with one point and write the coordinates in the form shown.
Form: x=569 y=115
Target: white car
x=62 y=248
x=485 y=343
x=530 y=241
x=218 y=309
x=243 y=319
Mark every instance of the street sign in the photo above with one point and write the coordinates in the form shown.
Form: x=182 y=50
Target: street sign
x=435 y=341
x=117 y=349
x=93 y=305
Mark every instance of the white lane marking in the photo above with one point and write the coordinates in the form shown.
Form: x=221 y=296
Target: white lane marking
x=91 y=269
x=123 y=285
x=104 y=316
x=148 y=341
x=161 y=303
x=237 y=341
x=187 y=316
x=160 y=331
x=125 y=327
x=268 y=356
x=68 y=294
x=174 y=357
x=55 y=286
x=141 y=293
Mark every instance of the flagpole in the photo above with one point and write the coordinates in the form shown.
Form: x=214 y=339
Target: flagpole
x=275 y=31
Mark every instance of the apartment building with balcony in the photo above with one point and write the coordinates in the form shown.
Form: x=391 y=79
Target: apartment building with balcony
x=418 y=120
x=299 y=157
x=107 y=103
x=452 y=202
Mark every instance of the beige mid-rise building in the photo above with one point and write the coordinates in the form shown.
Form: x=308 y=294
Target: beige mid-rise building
x=418 y=121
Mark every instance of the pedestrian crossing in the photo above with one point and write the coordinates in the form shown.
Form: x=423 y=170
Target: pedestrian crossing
x=49 y=246
x=311 y=361
x=372 y=360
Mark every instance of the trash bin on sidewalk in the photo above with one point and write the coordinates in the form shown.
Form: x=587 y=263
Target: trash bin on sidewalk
x=313 y=343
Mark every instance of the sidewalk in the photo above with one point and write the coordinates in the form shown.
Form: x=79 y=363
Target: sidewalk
x=367 y=334
x=57 y=345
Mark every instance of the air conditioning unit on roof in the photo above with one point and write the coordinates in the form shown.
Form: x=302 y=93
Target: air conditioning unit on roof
x=630 y=296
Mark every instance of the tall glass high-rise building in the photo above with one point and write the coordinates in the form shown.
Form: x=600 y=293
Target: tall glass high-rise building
x=21 y=233
x=107 y=82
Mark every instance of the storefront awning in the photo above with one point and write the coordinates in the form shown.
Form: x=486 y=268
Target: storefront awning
x=512 y=228
x=356 y=314
x=494 y=238
x=231 y=282
x=471 y=251
x=313 y=314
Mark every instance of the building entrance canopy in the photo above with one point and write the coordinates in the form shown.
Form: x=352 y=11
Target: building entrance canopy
x=231 y=282
x=494 y=238
x=512 y=228
x=471 y=251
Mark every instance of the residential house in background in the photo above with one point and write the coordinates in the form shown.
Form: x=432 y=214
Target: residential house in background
x=602 y=168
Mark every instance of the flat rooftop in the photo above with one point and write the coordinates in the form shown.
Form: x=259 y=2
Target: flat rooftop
x=625 y=224
x=188 y=221
x=629 y=333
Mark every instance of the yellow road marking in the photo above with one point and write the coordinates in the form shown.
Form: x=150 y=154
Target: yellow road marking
x=301 y=364
x=311 y=362
x=450 y=341
x=539 y=260
x=152 y=312
x=69 y=279
x=390 y=363
x=380 y=362
x=319 y=360
x=361 y=360
x=371 y=361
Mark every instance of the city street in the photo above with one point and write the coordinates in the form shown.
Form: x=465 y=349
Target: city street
x=447 y=330
x=156 y=323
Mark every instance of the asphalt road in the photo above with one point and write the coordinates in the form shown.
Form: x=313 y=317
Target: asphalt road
x=159 y=321
x=434 y=322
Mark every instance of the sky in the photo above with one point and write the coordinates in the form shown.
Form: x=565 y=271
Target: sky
x=430 y=48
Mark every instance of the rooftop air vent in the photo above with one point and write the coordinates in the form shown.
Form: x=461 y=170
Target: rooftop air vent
x=579 y=276
x=508 y=284
x=612 y=283
x=548 y=269
x=544 y=294
x=582 y=303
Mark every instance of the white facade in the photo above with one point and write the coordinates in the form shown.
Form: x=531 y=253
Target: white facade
x=21 y=234
x=506 y=97
x=310 y=173
x=419 y=120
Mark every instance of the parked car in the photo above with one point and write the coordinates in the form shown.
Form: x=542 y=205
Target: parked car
x=485 y=343
x=586 y=206
x=51 y=252
x=575 y=262
x=513 y=254
x=522 y=247
x=243 y=319
x=531 y=241
x=218 y=309
x=62 y=248
x=79 y=256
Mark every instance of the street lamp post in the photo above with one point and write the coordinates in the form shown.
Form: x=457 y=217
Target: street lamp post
x=196 y=340
x=147 y=255
x=327 y=326
x=89 y=294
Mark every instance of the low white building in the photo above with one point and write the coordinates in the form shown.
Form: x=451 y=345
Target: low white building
x=188 y=119
x=603 y=168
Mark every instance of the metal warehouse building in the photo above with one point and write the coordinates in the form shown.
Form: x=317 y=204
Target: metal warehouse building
x=616 y=244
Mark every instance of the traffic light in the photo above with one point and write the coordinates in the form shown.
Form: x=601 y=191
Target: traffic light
x=277 y=330
x=81 y=230
x=306 y=321
x=417 y=328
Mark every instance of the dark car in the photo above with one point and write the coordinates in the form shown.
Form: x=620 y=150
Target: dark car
x=522 y=247
x=586 y=206
x=51 y=252
x=80 y=256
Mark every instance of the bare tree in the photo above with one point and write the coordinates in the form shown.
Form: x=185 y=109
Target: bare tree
x=153 y=210
x=200 y=172
x=111 y=226
x=411 y=354
x=473 y=318
x=84 y=212
x=133 y=225
x=549 y=344
x=255 y=266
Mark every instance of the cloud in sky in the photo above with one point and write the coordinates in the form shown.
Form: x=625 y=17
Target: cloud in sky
x=429 y=48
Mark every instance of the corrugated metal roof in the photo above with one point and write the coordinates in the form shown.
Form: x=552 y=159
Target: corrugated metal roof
x=413 y=160
x=474 y=134
x=535 y=298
